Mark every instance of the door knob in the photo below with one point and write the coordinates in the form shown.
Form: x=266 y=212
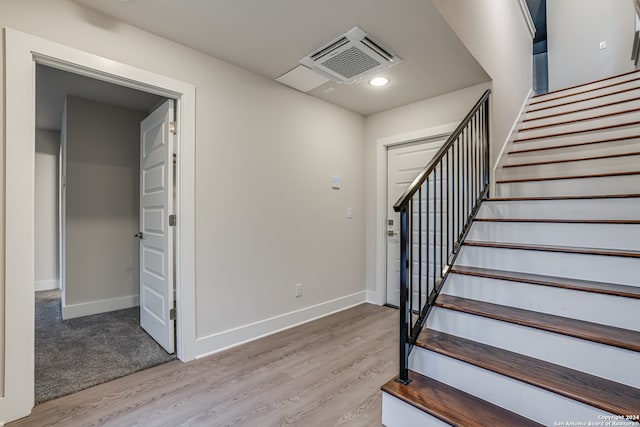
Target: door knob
x=138 y=235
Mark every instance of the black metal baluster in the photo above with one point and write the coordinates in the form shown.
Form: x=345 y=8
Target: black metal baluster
x=448 y=203
x=473 y=163
x=460 y=185
x=440 y=264
x=412 y=210
x=426 y=281
x=420 y=249
x=404 y=311
x=435 y=216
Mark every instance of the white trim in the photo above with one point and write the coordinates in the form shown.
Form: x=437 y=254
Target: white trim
x=47 y=285
x=224 y=340
x=526 y=14
x=21 y=52
x=382 y=144
x=101 y=306
x=372 y=297
x=513 y=133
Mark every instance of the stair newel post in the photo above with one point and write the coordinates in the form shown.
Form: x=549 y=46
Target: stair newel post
x=405 y=314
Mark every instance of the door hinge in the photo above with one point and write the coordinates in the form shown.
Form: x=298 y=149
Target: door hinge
x=173 y=127
x=172 y=220
x=172 y=314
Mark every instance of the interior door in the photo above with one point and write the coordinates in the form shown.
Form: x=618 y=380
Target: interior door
x=156 y=236
x=404 y=163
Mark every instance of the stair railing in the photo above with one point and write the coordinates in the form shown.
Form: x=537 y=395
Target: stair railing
x=635 y=50
x=435 y=215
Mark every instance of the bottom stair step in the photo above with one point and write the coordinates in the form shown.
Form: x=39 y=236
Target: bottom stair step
x=598 y=392
x=451 y=405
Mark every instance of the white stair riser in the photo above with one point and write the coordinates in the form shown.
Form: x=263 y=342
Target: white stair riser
x=508 y=393
x=396 y=413
x=583 y=167
x=613 y=209
x=579 y=126
x=573 y=112
x=583 y=92
x=554 y=348
x=587 y=306
x=576 y=138
x=570 y=152
x=603 y=236
x=571 y=187
x=534 y=111
x=598 y=268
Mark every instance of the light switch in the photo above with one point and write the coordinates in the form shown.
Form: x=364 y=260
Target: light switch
x=603 y=44
x=349 y=213
x=335 y=183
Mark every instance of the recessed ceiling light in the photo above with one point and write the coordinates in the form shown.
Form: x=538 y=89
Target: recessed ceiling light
x=379 y=81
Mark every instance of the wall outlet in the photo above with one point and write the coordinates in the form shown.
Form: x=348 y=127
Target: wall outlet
x=298 y=290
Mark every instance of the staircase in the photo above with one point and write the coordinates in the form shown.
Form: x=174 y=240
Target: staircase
x=538 y=322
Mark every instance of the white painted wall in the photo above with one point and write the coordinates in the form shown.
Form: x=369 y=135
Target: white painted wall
x=410 y=121
x=497 y=35
x=102 y=207
x=266 y=215
x=46 y=212
x=575 y=29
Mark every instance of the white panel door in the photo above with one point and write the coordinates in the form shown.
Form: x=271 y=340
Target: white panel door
x=156 y=241
x=404 y=163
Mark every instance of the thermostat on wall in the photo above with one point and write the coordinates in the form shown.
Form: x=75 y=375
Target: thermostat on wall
x=336 y=183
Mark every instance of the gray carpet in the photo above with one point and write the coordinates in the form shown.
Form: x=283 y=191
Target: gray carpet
x=75 y=354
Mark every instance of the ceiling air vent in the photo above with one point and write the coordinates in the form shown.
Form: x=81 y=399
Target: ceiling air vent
x=351 y=57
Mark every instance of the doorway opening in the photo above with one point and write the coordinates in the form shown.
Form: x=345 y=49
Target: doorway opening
x=22 y=52
x=88 y=327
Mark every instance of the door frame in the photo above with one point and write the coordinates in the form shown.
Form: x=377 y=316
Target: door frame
x=22 y=52
x=382 y=146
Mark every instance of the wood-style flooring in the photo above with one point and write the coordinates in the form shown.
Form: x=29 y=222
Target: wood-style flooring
x=323 y=373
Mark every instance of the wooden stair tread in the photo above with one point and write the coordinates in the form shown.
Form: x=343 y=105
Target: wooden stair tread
x=603 y=334
x=540 y=198
x=558 y=282
x=581 y=110
x=555 y=248
x=580 y=120
x=563 y=221
x=577 y=159
x=451 y=405
x=605 y=394
x=542 y=101
x=556 y=178
x=584 y=84
x=576 y=132
x=578 y=144
x=591 y=98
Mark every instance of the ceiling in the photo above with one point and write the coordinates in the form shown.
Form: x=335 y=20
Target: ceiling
x=53 y=85
x=270 y=37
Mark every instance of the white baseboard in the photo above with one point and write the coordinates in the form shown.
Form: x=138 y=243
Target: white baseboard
x=372 y=298
x=102 y=306
x=220 y=341
x=46 y=285
x=509 y=141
